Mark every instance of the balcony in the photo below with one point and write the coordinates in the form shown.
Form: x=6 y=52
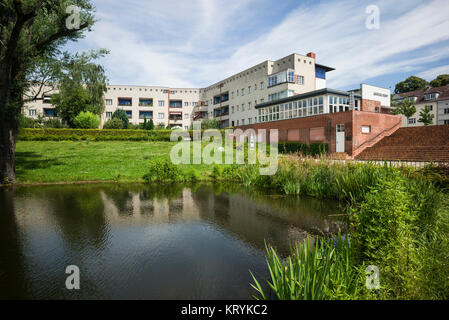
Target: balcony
x=145 y=102
x=175 y=116
x=175 y=103
x=200 y=109
x=125 y=102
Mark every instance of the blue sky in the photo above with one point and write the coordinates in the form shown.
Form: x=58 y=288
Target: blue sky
x=199 y=42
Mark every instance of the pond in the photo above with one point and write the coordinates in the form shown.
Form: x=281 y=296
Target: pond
x=147 y=242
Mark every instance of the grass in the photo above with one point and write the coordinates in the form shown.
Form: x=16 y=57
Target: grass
x=42 y=162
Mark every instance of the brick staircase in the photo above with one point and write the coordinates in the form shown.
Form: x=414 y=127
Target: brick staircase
x=416 y=144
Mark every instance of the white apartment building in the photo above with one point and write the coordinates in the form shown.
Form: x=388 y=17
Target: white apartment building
x=168 y=106
x=231 y=100
x=437 y=99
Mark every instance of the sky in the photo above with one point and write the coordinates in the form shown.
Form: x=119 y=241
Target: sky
x=196 y=43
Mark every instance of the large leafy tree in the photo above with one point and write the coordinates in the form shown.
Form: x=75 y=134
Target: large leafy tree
x=426 y=116
x=410 y=84
x=440 y=81
x=406 y=108
x=30 y=31
x=82 y=85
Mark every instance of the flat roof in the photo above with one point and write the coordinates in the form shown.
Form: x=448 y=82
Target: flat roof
x=326 y=68
x=307 y=95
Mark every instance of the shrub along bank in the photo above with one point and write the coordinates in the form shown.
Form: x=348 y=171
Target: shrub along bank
x=399 y=222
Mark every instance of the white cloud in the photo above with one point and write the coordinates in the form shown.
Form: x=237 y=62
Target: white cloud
x=196 y=43
x=431 y=74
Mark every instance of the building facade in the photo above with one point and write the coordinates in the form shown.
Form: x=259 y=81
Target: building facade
x=436 y=99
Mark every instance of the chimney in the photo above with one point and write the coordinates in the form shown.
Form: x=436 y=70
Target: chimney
x=312 y=55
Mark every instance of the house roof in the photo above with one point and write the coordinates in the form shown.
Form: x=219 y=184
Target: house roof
x=420 y=94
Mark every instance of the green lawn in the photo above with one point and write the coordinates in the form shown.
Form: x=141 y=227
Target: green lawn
x=81 y=161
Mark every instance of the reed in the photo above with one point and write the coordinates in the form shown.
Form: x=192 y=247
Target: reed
x=319 y=271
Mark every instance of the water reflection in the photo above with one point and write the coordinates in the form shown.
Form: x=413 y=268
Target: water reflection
x=147 y=242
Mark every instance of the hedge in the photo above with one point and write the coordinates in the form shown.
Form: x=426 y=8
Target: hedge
x=294 y=147
x=95 y=135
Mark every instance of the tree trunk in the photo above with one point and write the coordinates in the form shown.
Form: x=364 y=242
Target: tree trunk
x=8 y=137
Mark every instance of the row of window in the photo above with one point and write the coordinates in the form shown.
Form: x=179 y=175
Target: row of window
x=297 y=109
x=149 y=115
x=280 y=95
x=148 y=102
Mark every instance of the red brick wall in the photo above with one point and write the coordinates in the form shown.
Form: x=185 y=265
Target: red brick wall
x=370 y=105
x=353 y=121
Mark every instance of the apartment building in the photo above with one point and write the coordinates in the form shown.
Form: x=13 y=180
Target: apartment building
x=171 y=107
x=437 y=99
x=233 y=100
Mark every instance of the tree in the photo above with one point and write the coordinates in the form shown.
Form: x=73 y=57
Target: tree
x=426 y=117
x=82 y=85
x=70 y=101
x=86 y=120
x=410 y=84
x=121 y=114
x=30 y=30
x=406 y=108
x=440 y=81
x=114 y=123
x=150 y=125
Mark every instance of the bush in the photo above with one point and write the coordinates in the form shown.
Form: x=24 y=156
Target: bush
x=315 y=149
x=26 y=122
x=121 y=115
x=293 y=147
x=384 y=235
x=163 y=170
x=114 y=123
x=54 y=123
x=318 y=149
x=86 y=120
x=93 y=134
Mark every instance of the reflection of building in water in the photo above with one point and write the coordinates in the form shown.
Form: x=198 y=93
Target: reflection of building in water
x=143 y=205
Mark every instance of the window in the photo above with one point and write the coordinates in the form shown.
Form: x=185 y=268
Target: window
x=366 y=129
x=129 y=114
x=161 y=103
x=249 y=105
x=340 y=128
x=186 y=116
x=243 y=122
x=243 y=107
x=109 y=102
x=430 y=96
x=446 y=121
x=262 y=85
x=186 y=104
x=161 y=115
x=145 y=102
x=377 y=109
x=430 y=107
x=300 y=79
x=232 y=108
x=108 y=115
x=186 y=127
x=125 y=101
x=145 y=114
x=32 y=112
x=232 y=95
x=281 y=77
x=446 y=111
x=249 y=89
x=243 y=92
x=49 y=113
x=47 y=99
x=412 y=121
